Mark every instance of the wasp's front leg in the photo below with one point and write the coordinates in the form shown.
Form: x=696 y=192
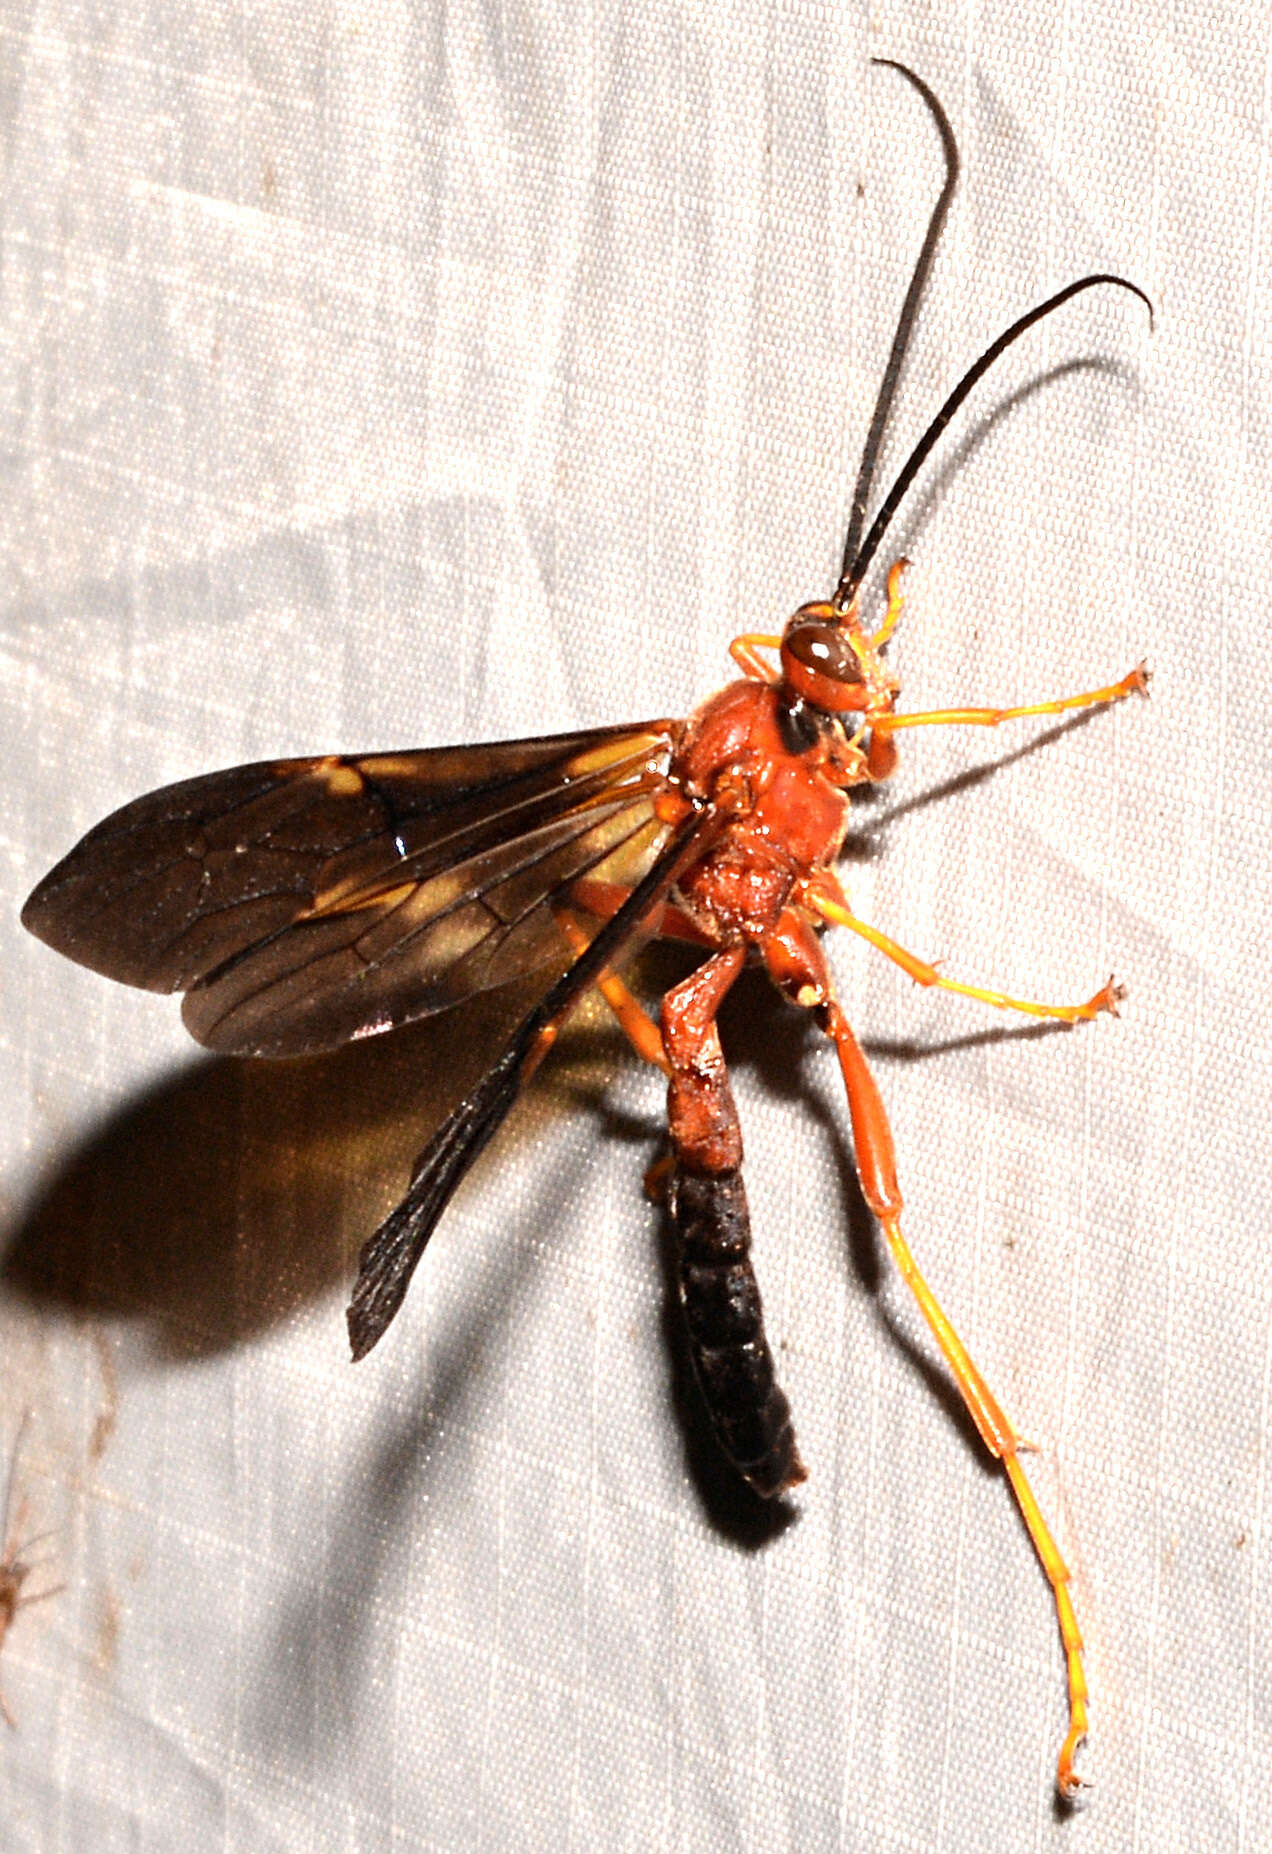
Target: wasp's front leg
x=706 y=1199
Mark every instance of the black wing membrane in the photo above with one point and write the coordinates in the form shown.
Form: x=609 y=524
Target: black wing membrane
x=389 y=1257
x=300 y=903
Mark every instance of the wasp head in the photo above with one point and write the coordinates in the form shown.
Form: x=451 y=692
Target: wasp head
x=832 y=662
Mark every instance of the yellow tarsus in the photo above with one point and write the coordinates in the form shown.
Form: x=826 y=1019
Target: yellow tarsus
x=896 y=603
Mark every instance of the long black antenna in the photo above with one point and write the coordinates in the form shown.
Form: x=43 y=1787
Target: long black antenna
x=856 y=572
x=905 y=322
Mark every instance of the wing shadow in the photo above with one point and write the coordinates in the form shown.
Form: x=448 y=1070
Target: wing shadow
x=234 y=1193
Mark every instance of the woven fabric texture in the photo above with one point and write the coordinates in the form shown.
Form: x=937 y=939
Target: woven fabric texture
x=387 y=376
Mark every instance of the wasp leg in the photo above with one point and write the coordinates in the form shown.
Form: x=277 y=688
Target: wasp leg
x=896 y=603
x=1135 y=682
x=745 y=651
x=797 y=964
x=824 y=894
x=706 y=1199
x=637 y=1025
x=605 y=898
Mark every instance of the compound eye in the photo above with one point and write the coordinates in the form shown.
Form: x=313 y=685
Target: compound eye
x=820 y=664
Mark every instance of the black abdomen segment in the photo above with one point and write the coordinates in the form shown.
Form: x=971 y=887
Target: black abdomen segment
x=731 y=1357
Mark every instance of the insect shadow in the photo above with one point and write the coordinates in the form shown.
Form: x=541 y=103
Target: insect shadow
x=227 y=1196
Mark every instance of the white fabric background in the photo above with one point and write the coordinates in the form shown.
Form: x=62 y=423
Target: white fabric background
x=389 y=375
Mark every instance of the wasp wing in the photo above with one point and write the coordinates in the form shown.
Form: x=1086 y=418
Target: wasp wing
x=301 y=903
x=389 y=1257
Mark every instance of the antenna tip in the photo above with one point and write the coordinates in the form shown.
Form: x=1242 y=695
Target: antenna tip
x=1125 y=283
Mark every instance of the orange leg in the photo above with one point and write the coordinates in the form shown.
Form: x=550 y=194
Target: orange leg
x=745 y=653
x=1135 y=682
x=824 y=895
x=644 y=1035
x=896 y=603
x=702 y=1119
x=638 y=1026
x=605 y=898
x=796 y=962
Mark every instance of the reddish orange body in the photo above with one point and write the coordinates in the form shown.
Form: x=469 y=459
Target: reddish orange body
x=775 y=768
x=797 y=815
x=772 y=757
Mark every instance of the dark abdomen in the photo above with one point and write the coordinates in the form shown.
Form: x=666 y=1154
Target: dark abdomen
x=731 y=1357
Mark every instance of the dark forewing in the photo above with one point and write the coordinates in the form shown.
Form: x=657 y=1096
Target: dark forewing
x=304 y=902
x=390 y=1256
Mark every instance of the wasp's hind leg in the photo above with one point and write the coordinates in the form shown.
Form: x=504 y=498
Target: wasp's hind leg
x=706 y=1200
x=796 y=962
